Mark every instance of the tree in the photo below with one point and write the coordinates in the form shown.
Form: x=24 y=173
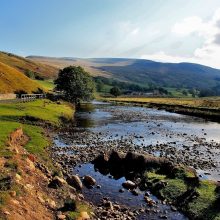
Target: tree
x=185 y=93
x=75 y=83
x=99 y=85
x=115 y=91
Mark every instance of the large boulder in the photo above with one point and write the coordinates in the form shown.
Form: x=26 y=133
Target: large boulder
x=75 y=181
x=116 y=158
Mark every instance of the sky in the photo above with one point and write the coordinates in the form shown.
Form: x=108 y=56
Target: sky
x=160 y=30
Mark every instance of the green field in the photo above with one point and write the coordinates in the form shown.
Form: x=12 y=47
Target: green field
x=210 y=103
x=48 y=85
x=44 y=110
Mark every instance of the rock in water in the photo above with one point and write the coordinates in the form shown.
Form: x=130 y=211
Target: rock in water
x=88 y=180
x=129 y=184
x=75 y=181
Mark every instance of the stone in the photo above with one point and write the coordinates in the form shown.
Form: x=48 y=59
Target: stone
x=7 y=213
x=84 y=216
x=75 y=181
x=51 y=203
x=109 y=205
x=30 y=164
x=88 y=180
x=121 y=190
x=61 y=217
x=13 y=193
x=135 y=192
x=57 y=182
x=129 y=184
x=173 y=208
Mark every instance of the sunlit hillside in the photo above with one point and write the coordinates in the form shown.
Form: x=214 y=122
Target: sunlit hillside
x=25 y=65
x=12 y=80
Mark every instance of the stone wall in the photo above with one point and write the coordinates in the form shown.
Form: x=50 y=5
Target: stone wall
x=7 y=96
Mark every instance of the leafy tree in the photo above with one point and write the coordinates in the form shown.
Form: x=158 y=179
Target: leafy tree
x=185 y=93
x=75 y=83
x=99 y=85
x=206 y=92
x=115 y=91
x=30 y=74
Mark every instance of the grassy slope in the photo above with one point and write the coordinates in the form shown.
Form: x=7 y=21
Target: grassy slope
x=60 y=63
x=23 y=65
x=48 y=85
x=12 y=80
x=9 y=121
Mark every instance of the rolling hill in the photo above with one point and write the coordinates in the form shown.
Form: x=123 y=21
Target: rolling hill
x=177 y=75
x=12 y=80
x=24 y=65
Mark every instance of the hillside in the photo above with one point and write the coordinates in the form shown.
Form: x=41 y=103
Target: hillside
x=186 y=75
x=12 y=80
x=60 y=63
x=24 y=65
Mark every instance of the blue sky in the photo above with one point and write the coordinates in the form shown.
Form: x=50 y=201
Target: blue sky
x=164 y=30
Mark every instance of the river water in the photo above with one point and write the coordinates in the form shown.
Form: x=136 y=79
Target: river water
x=184 y=139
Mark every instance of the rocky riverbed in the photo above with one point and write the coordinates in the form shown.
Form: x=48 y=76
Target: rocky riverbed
x=100 y=128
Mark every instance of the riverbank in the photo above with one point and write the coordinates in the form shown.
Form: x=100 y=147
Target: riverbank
x=207 y=108
x=101 y=128
x=31 y=184
x=47 y=178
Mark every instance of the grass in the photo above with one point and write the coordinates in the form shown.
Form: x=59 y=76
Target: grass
x=80 y=207
x=22 y=64
x=41 y=109
x=37 y=141
x=12 y=80
x=178 y=92
x=44 y=110
x=47 y=85
x=204 y=206
x=211 y=103
x=175 y=187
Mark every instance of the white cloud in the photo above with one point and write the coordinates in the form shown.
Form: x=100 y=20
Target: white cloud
x=161 y=56
x=135 y=31
x=188 y=26
x=208 y=53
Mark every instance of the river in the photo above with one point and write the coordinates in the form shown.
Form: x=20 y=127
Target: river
x=183 y=139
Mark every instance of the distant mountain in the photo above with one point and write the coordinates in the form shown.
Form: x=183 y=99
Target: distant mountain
x=186 y=75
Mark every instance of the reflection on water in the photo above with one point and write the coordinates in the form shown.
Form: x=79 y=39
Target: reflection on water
x=145 y=127
x=88 y=115
x=118 y=121
x=141 y=127
x=110 y=188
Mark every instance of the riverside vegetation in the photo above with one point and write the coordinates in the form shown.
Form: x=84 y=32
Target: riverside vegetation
x=26 y=165
x=208 y=108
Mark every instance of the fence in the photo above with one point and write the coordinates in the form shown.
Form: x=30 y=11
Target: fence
x=31 y=97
